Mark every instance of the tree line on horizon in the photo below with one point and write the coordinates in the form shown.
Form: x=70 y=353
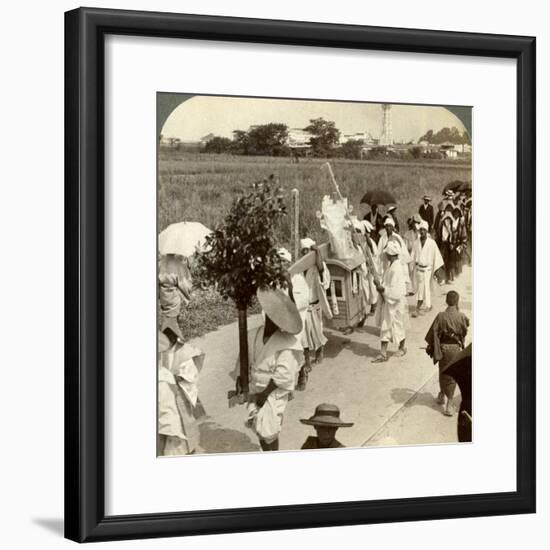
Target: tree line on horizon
x=272 y=140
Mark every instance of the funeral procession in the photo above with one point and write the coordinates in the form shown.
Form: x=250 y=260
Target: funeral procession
x=314 y=286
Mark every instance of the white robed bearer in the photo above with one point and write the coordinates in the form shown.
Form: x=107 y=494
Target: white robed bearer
x=427 y=260
x=389 y=235
x=391 y=310
x=318 y=281
x=299 y=292
x=368 y=285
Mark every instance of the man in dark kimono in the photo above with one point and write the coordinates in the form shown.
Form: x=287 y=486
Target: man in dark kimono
x=445 y=340
x=391 y=211
x=326 y=421
x=376 y=220
x=426 y=211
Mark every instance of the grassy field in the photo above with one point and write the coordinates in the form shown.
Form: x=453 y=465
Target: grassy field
x=201 y=187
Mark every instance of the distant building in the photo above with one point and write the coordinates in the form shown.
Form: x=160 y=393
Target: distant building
x=464 y=148
x=365 y=137
x=449 y=150
x=298 y=137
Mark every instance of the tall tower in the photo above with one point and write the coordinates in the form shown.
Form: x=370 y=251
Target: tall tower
x=386 y=137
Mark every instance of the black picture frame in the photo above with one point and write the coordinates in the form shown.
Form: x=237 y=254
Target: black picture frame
x=85 y=29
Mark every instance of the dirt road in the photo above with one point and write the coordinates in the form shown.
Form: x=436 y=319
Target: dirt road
x=390 y=403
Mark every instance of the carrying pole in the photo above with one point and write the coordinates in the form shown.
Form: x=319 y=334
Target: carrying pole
x=367 y=251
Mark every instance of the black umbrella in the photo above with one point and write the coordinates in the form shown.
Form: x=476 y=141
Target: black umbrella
x=460 y=368
x=378 y=196
x=453 y=186
x=466 y=186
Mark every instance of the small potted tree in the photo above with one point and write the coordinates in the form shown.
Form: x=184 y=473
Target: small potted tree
x=241 y=256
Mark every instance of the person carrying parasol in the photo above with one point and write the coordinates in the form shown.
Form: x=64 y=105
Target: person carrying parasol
x=174 y=286
x=391 y=212
x=374 y=199
x=177 y=245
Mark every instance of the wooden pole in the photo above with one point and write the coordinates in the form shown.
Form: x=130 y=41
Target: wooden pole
x=296 y=223
x=242 y=383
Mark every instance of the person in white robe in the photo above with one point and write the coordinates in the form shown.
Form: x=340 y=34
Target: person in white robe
x=178 y=379
x=369 y=293
x=318 y=282
x=390 y=235
x=427 y=259
x=275 y=354
x=391 y=309
x=411 y=236
x=299 y=292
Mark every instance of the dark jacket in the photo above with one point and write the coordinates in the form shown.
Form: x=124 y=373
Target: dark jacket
x=312 y=442
x=450 y=325
x=427 y=213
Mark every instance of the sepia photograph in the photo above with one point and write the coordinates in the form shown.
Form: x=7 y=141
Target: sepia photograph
x=314 y=274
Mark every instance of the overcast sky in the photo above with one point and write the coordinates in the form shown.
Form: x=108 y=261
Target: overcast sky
x=202 y=115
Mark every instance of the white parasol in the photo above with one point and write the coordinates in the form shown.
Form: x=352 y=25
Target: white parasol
x=183 y=238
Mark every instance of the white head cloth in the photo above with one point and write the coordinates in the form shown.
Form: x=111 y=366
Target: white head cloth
x=284 y=254
x=423 y=225
x=392 y=248
x=307 y=243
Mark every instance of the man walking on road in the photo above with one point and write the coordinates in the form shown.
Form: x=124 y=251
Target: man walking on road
x=426 y=261
x=445 y=340
x=391 y=310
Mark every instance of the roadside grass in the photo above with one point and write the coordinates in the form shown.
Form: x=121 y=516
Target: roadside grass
x=206 y=312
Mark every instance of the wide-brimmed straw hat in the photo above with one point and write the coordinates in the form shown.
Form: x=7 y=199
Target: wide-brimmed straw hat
x=427 y=198
x=326 y=415
x=281 y=310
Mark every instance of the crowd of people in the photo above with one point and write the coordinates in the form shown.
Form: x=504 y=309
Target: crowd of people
x=284 y=347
